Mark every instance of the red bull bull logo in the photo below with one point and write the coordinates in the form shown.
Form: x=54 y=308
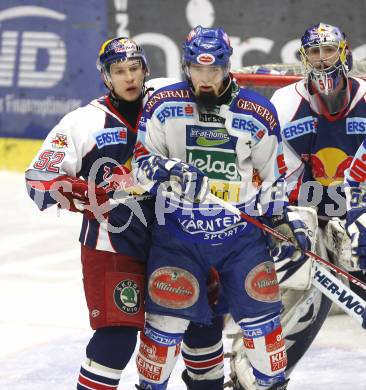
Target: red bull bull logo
x=120 y=177
x=328 y=165
x=60 y=141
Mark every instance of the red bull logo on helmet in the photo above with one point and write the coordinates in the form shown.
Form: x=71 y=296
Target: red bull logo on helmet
x=328 y=165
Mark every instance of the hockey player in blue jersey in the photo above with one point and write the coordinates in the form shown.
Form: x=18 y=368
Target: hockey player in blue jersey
x=207 y=134
x=81 y=164
x=323 y=122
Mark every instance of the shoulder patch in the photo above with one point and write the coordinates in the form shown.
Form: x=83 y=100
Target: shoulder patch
x=300 y=127
x=111 y=136
x=260 y=110
x=166 y=94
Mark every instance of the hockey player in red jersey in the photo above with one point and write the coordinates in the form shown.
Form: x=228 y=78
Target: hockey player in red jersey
x=323 y=122
x=81 y=164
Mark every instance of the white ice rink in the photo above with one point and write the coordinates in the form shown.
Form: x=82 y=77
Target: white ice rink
x=43 y=317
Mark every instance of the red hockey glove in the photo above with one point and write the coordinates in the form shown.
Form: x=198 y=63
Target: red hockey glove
x=76 y=195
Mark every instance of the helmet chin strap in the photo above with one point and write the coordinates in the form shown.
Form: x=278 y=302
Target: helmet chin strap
x=228 y=81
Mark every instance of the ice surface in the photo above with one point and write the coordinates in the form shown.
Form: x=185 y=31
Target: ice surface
x=44 y=321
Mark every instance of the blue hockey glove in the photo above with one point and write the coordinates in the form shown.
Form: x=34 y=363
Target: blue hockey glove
x=185 y=180
x=356 y=229
x=291 y=225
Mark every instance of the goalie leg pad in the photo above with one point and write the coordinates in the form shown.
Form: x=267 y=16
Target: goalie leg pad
x=159 y=350
x=114 y=288
x=265 y=347
x=338 y=243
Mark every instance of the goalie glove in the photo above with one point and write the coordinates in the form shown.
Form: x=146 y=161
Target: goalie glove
x=77 y=195
x=292 y=226
x=356 y=229
x=186 y=180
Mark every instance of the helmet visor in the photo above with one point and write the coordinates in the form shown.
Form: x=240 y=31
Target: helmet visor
x=322 y=57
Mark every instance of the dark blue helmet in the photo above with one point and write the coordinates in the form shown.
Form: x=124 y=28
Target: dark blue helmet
x=207 y=46
x=119 y=49
x=326 y=34
x=327 y=59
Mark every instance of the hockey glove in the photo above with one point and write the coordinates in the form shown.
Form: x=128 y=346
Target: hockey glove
x=291 y=225
x=76 y=195
x=356 y=229
x=185 y=180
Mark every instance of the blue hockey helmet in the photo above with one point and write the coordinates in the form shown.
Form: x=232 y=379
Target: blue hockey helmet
x=119 y=49
x=318 y=37
x=327 y=58
x=207 y=46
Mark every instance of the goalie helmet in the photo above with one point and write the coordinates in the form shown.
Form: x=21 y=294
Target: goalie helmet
x=207 y=46
x=119 y=49
x=327 y=58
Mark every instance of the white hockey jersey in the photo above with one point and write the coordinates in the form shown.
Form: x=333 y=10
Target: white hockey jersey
x=91 y=142
x=238 y=146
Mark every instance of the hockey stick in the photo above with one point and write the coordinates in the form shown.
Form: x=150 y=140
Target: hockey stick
x=214 y=199
x=339 y=293
x=282 y=237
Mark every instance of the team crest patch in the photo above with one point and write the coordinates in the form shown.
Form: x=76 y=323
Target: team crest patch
x=173 y=287
x=261 y=283
x=127 y=296
x=59 y=141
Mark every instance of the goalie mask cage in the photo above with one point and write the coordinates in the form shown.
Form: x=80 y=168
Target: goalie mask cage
x=265 y=79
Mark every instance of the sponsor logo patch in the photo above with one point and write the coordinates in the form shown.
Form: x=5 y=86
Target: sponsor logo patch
x=355 y=125
x=173 y=94
x=95 y=313
x=174 y=111
x=229 y=192
x=215 y=164
x=207 y=137
x=161 y=337
x=246 y=123
x=248 y=343
x=274 y=341
x=111 y=136
x=174 y=288
x=59 y=141
x=148 y=370
x=278 y=360
x=358 y=169
x=261 y=283
x=300 y=127
x=210 y=118
x=253 y=333
x=206 y=59
x=328 y=165
x=151 y=351
x=263 y=112
x=127 y=296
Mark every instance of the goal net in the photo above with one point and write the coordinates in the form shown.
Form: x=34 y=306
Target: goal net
x=265 y=79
